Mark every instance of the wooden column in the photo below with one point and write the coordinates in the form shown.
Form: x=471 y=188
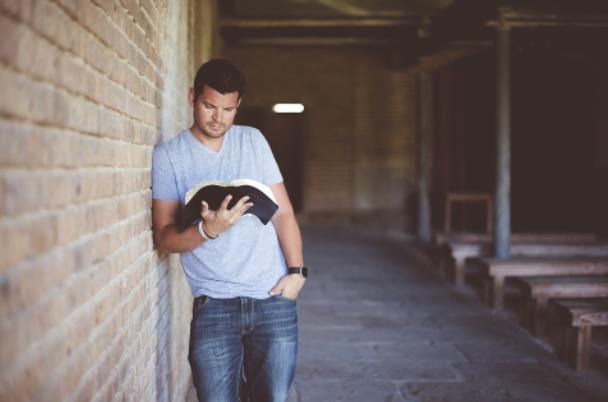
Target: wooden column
x=424 y=132
x=502 y=231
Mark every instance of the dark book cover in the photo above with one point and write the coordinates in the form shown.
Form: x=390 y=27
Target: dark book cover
x=214 y=192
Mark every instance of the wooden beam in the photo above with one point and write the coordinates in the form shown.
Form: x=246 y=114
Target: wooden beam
x=227 y=23
x=312 y=41
x=452 y=53
x=529 y=18
x=549 y=24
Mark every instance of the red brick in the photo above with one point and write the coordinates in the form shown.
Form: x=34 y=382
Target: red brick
x=85 y=86
x=71 y=7
x=75 y=346
x=90 y=348
x=28 y=146
x=50 y=311
x=27 y=191
x=30 y=236
x=54 y=24
x=12 y=33
x=21 y=10
x=151 y=11
x=97 y=375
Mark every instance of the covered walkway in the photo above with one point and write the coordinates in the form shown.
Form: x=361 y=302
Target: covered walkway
x=379 y=324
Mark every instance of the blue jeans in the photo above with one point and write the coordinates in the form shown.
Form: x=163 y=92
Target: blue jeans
x=243 y=348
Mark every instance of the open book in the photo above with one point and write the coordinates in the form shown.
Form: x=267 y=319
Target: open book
x=214 y=191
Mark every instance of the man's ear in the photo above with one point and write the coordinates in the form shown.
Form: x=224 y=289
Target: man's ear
x=191 y=96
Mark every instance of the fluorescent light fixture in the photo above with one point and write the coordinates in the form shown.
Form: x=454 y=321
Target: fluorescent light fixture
x=288 y=108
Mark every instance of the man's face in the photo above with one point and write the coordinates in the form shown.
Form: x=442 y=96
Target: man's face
x=214 y=112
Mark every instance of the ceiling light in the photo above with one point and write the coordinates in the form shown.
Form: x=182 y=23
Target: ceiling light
x=288 y=108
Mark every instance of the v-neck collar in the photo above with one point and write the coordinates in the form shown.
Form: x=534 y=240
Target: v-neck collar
x=192 y=139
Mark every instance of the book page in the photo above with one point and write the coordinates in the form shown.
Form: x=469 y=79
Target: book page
x=262 y=187
x=235 y=183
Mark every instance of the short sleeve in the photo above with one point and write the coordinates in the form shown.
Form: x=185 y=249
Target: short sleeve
x=164 y=185
x=271 y=174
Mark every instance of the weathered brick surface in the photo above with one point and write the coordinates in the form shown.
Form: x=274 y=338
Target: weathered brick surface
x=88 y=310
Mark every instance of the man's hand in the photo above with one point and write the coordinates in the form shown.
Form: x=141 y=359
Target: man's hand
x=289 y=286
x=217 y=222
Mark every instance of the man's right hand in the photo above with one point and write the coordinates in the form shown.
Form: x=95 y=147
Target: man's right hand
x=217 y=222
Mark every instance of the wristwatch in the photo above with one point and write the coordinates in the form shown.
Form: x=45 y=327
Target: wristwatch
x=302 y=271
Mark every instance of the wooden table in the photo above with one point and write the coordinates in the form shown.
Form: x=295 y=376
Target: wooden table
x=539 y=290
x=577 y=317
x=483 y=198
x=497 y=270
x=572 y=238
x=522 y=245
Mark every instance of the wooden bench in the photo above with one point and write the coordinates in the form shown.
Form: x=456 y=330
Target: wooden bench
x=495 y=271
x=538 y=291
x=483 y=198
x=564 y=249
x=441 y=238
x=576 y=318
x=467 y=246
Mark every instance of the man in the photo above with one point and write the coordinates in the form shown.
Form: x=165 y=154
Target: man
x=245 y=276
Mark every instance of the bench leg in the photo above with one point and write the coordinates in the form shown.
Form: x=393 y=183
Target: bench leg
x=535 y=316
x=577 y=343
x=459 y=262
x=498 y=285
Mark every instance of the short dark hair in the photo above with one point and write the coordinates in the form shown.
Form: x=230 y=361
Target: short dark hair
x=220 y=75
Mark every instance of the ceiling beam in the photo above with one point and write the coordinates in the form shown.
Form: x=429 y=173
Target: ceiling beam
x=527 y=18
x=312 y=41
x=451 y=53
x=231 y=23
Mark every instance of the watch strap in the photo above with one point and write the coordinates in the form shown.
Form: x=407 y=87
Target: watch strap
x=302 y=271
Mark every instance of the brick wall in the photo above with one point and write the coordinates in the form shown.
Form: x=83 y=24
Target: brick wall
x=88 y=310
x=385 y=163
x=359 y=141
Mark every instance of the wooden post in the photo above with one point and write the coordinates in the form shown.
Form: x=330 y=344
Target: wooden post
x=459 y=269
x=425 y=105
x=502 y=233
x=578 y=345
x=498 y=293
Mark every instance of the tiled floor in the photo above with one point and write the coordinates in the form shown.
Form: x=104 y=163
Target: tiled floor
x=378 y=324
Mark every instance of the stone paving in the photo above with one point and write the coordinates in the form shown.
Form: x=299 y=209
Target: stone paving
x=377 y=323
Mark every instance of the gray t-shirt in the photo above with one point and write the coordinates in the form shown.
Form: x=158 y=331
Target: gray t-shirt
x=247 y=259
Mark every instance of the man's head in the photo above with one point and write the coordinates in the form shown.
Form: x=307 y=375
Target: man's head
x=215 y=96
x=220 y=75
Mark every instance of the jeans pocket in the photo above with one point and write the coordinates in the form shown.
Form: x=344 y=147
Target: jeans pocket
x=199 y=302
x=281 y=297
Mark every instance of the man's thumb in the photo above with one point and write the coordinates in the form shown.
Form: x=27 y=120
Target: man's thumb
x=276 y=290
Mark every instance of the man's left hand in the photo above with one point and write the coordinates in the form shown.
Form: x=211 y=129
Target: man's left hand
x=289 y=286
